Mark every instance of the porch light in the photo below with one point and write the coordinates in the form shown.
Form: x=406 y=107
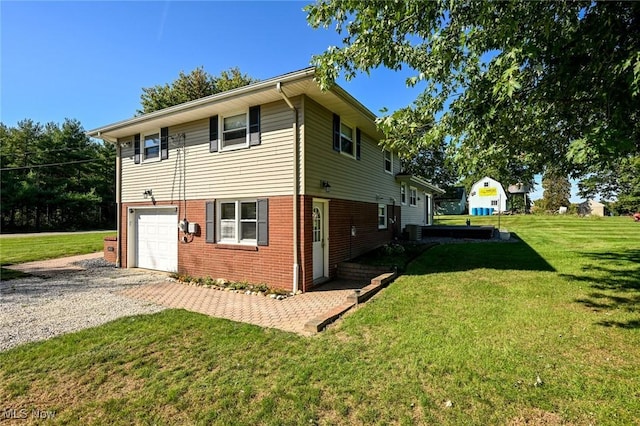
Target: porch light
x=147 y=193
x=326 y=186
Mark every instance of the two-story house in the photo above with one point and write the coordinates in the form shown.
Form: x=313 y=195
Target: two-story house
x=275 y=182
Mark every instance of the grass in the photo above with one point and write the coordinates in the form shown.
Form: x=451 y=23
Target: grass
x=461 y=338
x=26 y=249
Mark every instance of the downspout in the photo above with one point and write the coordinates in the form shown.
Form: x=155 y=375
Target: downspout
x=118 y=205
x=296 y=264
x=118 y=195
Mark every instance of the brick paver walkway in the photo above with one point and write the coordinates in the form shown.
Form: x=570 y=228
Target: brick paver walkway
x=289 y=314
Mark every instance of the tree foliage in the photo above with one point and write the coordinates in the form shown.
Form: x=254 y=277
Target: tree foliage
x=54 y=177
x=620 y=184
x=517 y=85
x=188 y=87
x=557 y=190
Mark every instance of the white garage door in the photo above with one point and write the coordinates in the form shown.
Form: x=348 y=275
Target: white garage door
x=157 y=239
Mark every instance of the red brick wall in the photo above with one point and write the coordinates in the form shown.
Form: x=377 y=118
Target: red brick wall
x=110 y=249
x=272 y=264
x=342 y=246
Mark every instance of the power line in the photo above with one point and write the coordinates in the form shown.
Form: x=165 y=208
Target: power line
x=38 y=166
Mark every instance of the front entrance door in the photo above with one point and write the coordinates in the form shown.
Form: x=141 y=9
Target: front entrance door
x=318 y=238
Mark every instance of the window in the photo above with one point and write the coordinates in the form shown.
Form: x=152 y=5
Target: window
x=240 y=222
x=240 y=130
x=382 y=216
x=486 y=184
x=388 y=161
x=346 y=139
x=403 y=193
x=152 y=146
x=413 y=197
x=234 y=131
x=494 y=202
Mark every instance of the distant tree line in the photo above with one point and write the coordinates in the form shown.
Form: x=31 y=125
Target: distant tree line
x=54 y=177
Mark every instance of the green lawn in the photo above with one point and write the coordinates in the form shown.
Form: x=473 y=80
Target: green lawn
x=33 y=247
x=543 y=331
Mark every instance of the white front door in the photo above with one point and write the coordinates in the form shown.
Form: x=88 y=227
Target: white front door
x=157 y=239
x=318 y=238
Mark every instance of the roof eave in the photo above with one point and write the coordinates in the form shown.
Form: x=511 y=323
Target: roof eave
x=184 y=107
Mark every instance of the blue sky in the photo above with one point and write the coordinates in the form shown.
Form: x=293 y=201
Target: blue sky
x=90 y=60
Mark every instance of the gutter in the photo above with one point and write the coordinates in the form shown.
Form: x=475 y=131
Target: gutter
x=296 y=262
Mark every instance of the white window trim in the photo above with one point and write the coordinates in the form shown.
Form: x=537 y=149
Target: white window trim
x=413 y=190
x=221 y=118
x=143 y=151
x=238 y=220
x=353 y=139
x=403 y=186
x=384 y=158
x=385 y=216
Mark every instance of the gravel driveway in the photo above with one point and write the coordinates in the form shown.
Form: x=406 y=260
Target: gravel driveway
x=38 y=308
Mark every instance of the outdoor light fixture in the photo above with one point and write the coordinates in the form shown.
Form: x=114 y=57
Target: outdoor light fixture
x=326 y=186
x=147 y=193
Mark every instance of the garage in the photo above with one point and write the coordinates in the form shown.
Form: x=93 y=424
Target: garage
x=156 y=239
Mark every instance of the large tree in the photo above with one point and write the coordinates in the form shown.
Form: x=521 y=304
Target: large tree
x=557 y=190
x=188 y=87
x=521 y=85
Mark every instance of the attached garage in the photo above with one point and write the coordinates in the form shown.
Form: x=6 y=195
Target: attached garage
x=154 y=238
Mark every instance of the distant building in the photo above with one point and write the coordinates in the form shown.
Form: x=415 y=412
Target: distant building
x=519 y=198
x=488 y=194
x=454 y=201
x=592 y=208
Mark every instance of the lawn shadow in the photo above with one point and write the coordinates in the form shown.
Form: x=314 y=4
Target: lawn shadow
x=616 y=278
x=458 y=257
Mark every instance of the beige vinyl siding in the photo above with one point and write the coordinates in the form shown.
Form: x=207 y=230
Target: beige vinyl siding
x=350 y=179
x=263 y=170
x=414 y=215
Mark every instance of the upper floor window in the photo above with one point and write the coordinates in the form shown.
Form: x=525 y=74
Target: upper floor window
x=234 y=132
x=403 y=193
x=152 y=146
x=346 y=139
x=388 y=161
x=413 y=197
x=240 y=130
x=486 y=184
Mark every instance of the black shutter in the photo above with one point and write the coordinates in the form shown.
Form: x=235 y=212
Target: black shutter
x=263 y=222
x=336 y=132
x=210 y=222
x=254 y=125
x=164 y=143
x=358 y=140
x=213 y=134
x=136 y=149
